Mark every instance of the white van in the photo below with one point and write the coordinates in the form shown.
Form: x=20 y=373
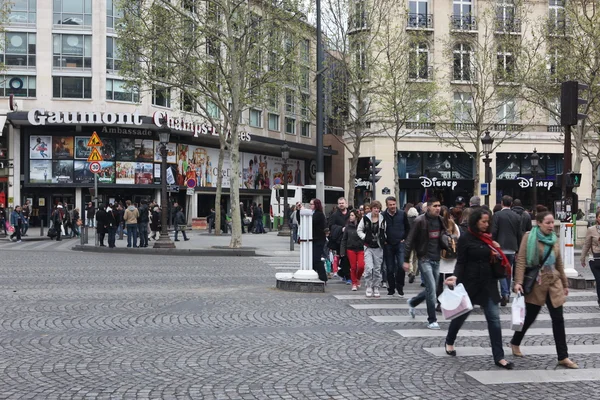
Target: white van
x=303 y=194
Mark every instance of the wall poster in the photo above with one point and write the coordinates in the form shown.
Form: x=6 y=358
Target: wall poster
x=40 y=147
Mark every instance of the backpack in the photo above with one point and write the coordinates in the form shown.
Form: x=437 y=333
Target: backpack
x=450 y=242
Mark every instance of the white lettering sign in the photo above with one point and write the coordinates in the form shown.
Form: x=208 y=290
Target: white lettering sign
x=435 y=182
x=358 y=182
x=179 y=124
x=40 y=116
x=528 y=182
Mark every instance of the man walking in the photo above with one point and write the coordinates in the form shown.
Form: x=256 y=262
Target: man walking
x=337 y=225
x=26 y=211
x=425 y=239
x=506 y=230
x=90 y=213
x=397 y=229
x=130 y=217
x=524 y=216
x=143 y=221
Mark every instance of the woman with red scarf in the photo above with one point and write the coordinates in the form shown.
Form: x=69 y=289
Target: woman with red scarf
x=479 y=262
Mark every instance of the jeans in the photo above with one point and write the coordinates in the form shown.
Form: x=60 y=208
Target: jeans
x=132 y=234
x=394 y=259
x=318 y=265
x=356 y=258
x=558 y=327
x=430 y=272
x=294 y=232
x=120 y=231
x=182 y=232
x=143 y=231
x=259 y=226
x=112 y=233
x=373 y=262
x=595 y=268
x=492 y=316
x=90 y=222
x=505 y=283
x=17 y=231
x=25 y=227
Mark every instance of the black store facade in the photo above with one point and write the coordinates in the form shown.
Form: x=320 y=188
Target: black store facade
x=54 y=153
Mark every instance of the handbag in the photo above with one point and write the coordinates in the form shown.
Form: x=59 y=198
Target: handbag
x=498 y=270
x=531 y=274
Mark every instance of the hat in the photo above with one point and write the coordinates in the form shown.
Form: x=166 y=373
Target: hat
x=475 y=201
x=460 y=200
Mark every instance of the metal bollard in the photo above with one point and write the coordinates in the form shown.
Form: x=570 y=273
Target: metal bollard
x=41 y=227
x=85 y=234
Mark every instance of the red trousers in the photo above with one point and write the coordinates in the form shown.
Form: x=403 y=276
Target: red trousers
x=357 y=264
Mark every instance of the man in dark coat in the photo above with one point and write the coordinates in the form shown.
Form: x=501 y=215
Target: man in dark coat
x=525 y=217
x=101 y=224
x=337 y=225
x=90 y=213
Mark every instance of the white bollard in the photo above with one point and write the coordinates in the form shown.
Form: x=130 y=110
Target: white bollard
x=567 y=249
x=306 y=247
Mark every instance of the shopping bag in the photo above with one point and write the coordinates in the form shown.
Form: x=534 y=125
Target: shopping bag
x=456 y=302
x=62 y=229
x=336 y=263
x=518 y=313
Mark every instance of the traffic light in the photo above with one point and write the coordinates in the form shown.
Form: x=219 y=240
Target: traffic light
x=570 y=100
x=573 y=179
x=373 y=170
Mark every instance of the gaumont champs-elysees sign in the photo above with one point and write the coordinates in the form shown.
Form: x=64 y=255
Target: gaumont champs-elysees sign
x=40 y=116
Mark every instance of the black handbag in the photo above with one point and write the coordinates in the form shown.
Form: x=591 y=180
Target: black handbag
x=531 y=274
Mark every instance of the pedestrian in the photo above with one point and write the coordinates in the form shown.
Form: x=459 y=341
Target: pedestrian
x=242 y=217
x=16 y=220
x=143 y=220
x=57 y=220
x=295 y=220
x=525 y=217
x=101 y=224
x=448 y=256
x=130 y=218
x=67 y=222
x=463 y=224
x=506 y=230
x=90 y=213
x=371 y=230
x=121 y=226
x=210 y=220
x=592 y=243
x=112 y=222
x=425 y=239
x=353 y=248
x=3 y=218
x=26 y=211
x=319 y=225
x=413 y=271
x=155 y=224
x=76 y=224
x=540 y=248
x=180 y=224
x=474 y=270
x=475 y=202
x=337 y=224
x=397 y=228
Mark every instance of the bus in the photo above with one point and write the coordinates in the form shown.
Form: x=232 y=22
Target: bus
x=303 y=194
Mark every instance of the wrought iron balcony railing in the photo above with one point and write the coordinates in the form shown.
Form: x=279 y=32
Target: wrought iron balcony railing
x=420 y=21
x=464 y=23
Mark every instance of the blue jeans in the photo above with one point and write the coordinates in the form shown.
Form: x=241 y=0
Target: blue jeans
x=430 y=272
x=492 y=316
x=143 y=229
x=505 y=283
x=295 y=232
x=393 y=254
x=120 y=231
x=132 y=234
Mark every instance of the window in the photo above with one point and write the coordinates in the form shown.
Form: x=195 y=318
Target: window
x=113 y=14
x=507 y=112
x=161 y=97
x=116 y=90
x=305 y=129
x=20 y=86
x=273 y=100
x=505 y=16
x=418 y=61
x=189 y=5
x=186 y=102
x=113 y=60
x=554 y=58
x=305 y=78
x=72 y=51
x=71 y=87
x=556 y=16
x=463 y=105
x=19 y=49
x=273 y=122
x=422 y=111
x=462 y=17
x=305 y=51
x=463 y=66
x=255 y=118
x=290 y=126
x=360 y=57
x=304 y=105
x=506 y=64
x=418 y=14
x=73 y=12
x=358 y=20
x=22 y=12
x=290 y=103
x=213 y=110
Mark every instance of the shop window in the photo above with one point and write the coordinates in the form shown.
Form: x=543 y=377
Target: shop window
x=453 y=165
x=305 y=129
x=113 y=14
x=116 y=90
x=161 y=97
x=20 y=49
x=72 y=51
x=71 y=87
x=290 y=126
x=20 y=86
x=73 y=13
x=273 y=122
x=511 y=166
x=113 y=60
x=255 y=118
x=22 y=13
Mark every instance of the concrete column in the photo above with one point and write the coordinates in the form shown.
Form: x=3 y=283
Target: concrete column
x=306 y=247
x=14 y=172
x=79 y=199
x=193 y=207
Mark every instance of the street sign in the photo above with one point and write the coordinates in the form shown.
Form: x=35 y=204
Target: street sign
x=95 y=155
x=191 y=183
x=95 y=141
x=173 y=188
x=95 y=167
x=190 y=191
x=485 y=189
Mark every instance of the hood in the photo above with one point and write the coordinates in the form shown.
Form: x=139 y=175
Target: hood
x=519 y=210
x=131 y=208
x=412 y=213
x=59 y=206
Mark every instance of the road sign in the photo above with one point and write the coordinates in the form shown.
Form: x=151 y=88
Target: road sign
x=485 y=189
x=95 y=167
x=191 y=183
x=190 y=191
x=95 y=141
x=95 y=155
x=173 y=188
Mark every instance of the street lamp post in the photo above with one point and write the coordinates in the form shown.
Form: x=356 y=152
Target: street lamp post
x=487 y=141
x=164 y=242
x=535 y=160
x=285 y=227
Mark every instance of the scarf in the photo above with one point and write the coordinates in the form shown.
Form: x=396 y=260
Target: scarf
x=533 y=251
x=487 y=239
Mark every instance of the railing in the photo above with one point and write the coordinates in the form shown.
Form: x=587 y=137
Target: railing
x=463 y=23
x=459 y=126
x=508 y=127
x=555 y=128
x=420 y=21
x=420 y=125
x=424 y=74
x=508 y=25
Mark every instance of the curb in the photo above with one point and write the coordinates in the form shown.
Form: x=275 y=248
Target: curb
x=211 y=252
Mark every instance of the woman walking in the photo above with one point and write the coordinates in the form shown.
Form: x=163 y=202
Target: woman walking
x=371 y=230
x=474 y=270
x=448 y=257
x=353 y=248
x=592 y=242
x=16 y=220
x=540 y=249
x=155 y=222
x=319 y=223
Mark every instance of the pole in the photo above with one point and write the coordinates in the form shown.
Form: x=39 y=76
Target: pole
x=487 y=161
x=534 y=189
x=567 y=161
x=96 y=208
x=320 y=122
x=285 y=227
x=163 y=242
x=373 y=177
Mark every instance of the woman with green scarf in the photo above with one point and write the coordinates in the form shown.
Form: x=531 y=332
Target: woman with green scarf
x=550 y=287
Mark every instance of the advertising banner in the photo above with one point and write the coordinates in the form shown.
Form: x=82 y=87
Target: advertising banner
x=262 y=172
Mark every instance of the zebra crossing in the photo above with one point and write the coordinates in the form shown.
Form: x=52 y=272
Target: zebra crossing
x=38 y=245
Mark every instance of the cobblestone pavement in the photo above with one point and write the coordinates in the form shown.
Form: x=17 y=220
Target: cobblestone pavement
x=149 y=327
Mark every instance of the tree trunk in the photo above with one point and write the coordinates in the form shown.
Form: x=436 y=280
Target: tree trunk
x=352 y=173
x=219 y=185
x=236 y=219
x=595 y=166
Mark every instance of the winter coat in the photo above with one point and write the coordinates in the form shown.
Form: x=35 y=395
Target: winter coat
x=180 y=218
x=144 y=214
x=319 y=223
x=337 y=222
x=418 y=238
x=101 y=221
x=351 y=240
x=15 y=217
x=525 y=218
x=131 y=215
x=155 y=224
x=365 y=231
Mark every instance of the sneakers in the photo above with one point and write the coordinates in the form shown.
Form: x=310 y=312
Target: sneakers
x=384 y=284
x=369 y=292
x=376 y=292
x=349 y=282
x=390 y=292
x=354 y=288
x=400 y=293
x=433 y=325
x=411 y=310
x=18 y=241
x=411 y=278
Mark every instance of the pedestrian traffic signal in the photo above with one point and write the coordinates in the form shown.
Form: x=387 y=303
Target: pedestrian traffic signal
x=373 y=163
x=570 y=100
x=573 y=179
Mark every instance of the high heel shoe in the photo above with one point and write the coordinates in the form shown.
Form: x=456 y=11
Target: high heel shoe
x=508 y=365
x=516 y=351
x=449 y=352
x=568 y=364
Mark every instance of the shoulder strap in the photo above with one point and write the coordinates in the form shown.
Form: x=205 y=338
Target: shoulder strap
x=546 y=256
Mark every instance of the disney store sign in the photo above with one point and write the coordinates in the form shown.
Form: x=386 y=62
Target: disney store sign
x=528 y=182
x=435 y=182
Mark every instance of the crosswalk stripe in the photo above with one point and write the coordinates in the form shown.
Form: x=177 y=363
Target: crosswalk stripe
x=591 y=330
x=408 y=295
x=535 y=376
x=404 y=306
x=481 y=317
x=527 y=350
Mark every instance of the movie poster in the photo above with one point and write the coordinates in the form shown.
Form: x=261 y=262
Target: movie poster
x=125 y=173
x=63 y=147
x=171 y=174
x=107 y=172
x=200 y=164
x=171 y=152
x=108 y=149
x=263 y=172
x=143 y=173
x=126 y=149
x=82 y=151
x=82 y=173
x=40 y=147
x=40 y=171
x=62 y=171
x=144 y=150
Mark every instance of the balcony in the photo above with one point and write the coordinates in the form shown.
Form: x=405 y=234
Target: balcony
x=460 y=126
x=508 y=25
x=555 y=128
x=508 y=127
x=420 y=21
x=420 y=125
x=463 y=23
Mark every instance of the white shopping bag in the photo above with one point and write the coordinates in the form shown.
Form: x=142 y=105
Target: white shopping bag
x=518 y=313
x=456 y=302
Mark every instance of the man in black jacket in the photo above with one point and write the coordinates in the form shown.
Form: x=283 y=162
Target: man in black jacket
x=525 y=217
x=143 y=221
x=337 y=224
x=397 y=229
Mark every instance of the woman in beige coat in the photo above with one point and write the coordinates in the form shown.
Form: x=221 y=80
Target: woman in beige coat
x=592 y=242
x=550 y=288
